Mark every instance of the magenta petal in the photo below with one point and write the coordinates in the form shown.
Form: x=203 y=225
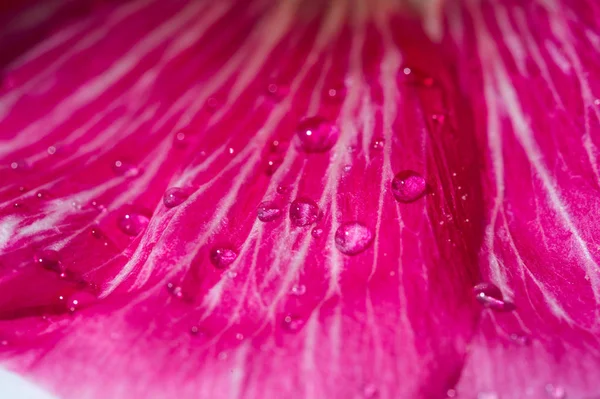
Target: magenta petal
x=278 y=200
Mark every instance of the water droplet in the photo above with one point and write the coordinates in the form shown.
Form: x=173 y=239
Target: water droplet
x=49 y=259
x=520 y=339
x=317 y=134
x=51 y=150
x=408 y=186
x=491 y=297
x=212 y=103
x=194 y=330
x=268 y=211
x=347 y=168
x=299 y=289
x=283 y=189
x=222 y=257
x=272 y=165
x=79 y=300
x=20 y=164
x=304 y=211
x=292 y=323
x=317 y=232
x=175 y=290
x=378 y=144
x=556 y=392
x=352 y=238
x=438 y=118
x=174 y=196
x=407 y=71
x=124 y=168
x=277 y=91
x=451 y=393
x=132 y=223
x=96 y=232
x=43 y=194
x=239 y=336
x=230 y=150
x=180 y=139
x=335 y=93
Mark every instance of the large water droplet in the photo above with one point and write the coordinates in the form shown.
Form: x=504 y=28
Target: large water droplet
x=335 y=93
x=43 y=194
x=317 y=134
x=408 y=186
x=268 y=211
x=352 y=238
x=304 y=211
x=370 y=391
x=174 y=196
x=132 y=223
x=491 y=297
x=49 y=259
x=222 y=257
x=299 y=289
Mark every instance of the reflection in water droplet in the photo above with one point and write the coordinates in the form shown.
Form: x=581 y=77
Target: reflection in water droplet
x=180 y=139
x=292 y=323
x=49 y=259
x=272 y=164
x=491 y=297
x=556 y=392
x=268 y=211
x=132 y=223
x=408 y=186
x=451 y=393
x=317 y=232
x=317 y=134
x=21 y=165
x=124 y=168
x=43 y=194
x=283 y=190
x=222 y=257
x=175 y=290
x=79 y=300
x=299 y=289
x=239 y=336
x=194 y=330
x=352 y=238
x=51 y=150
x=304 y=211
x=370 y=391
x=335 y=93
x=174 y=196
x=378 y=144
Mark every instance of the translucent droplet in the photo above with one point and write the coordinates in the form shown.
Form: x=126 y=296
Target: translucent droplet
x=43 y=194
x=212 y=103
x=175 y=290
x=79 y=300
x=408 y=186
x=49 y=259
x=317 y=232
x=283 y=189
x=292 y=323
x=491 y=297
x=317 y=134
x=174 y=196
x=451 y=393
x=272 y=165
x=555 y=392
x=352 y=238
x=335 y=93
x=222 y=257
x=96 y=232
x=180 y=139
x=268 y=211
x=194 y=330
x=304 y=211
x=277 y=91
x=378 y=144
x=124 y=168
x=239 y=336
x=438 y=118
x=299 y=289
x=20 y=164
x=132 y=223
x=51 y=150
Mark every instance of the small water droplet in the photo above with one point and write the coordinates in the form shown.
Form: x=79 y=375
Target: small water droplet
x=43 y=194
x=370 y=391
x=317 y=232
x=317 y=134
x=174 y=196
x=304 y=211
x=51 y=150
x=212 y=103
x=378 y=144
x=283 y=189
x=132 y=223
x=491 y=297
x=272 y=165
x=20 y=164
x=22 y=189
x=277 y=91
x=451 y=393
x=556 y=392
x=239 y=336
x=96 y=232
x=79 y=300
x=268 y=211
x=222 y=257
x=352 y=238
x=175 y=290
x=299 y=289
x=335 y=93
x=292 y=323
x=230 y=150
x=347 y=168
x=408 y=186
x=597 y=101
x=124 y=168
x=49 y=259
x=407 y=71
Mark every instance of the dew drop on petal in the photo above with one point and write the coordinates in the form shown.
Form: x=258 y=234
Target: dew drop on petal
x=408 y=186
x=132 y=223
x=268 y=211
x=239 y=336
x=174 y=196
x=48 y=259
x=335 y=93
x=352 y=238
x=304 y=211
x=451 y=393
x=272 y=165
x=292 y=323
x=222 y=257
x=78 y=300
x=283 y=189
x=175 y=290
x=124 y=168
x=378 y=144
x=317 y=134
x=317 y=232
x=298 y=289
x=491 y=297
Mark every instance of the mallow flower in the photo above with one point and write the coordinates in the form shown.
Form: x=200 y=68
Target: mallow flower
x=337 y=199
